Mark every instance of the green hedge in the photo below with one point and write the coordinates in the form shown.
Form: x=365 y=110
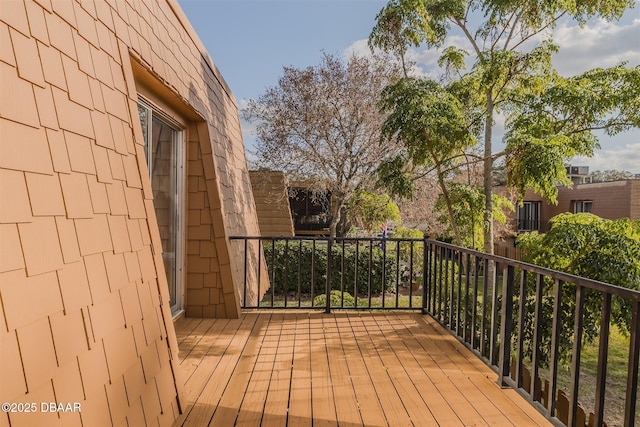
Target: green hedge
x=298 y=262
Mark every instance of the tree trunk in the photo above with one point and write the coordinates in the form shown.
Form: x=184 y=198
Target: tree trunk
x=488 y=178
x=336 y=213
x=447 y=200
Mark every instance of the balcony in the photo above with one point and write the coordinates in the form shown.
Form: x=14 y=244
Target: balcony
x=426 y=333
x=281 y=368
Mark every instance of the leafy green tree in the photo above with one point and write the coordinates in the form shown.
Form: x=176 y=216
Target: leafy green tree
x=468 y=208
x=372 y=210
x=548 y=128
x=586 y=245
x=511 y=48
x=430 y=122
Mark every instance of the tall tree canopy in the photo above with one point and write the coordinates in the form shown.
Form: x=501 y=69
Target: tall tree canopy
x=322 y=124
x=510 y=46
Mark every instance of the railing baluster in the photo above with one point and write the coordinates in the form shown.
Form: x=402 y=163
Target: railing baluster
x=506 y=325
x=446 y=297
x=575 y=360
x=273 y=270
x=474 y=309
x=397 y=272
x=521 y=320
x=370 y=270
x=632 y=369
x=441 y=304
x=451 y=283
x=300 y=273
x=535 y=357
x=485 y=291
x=313 y=269
x=459 y=294
x=603 y=355
x=384 y=269
x=494 y=343
x=433 y=278
x=329 y=267
x=425 y=271
x=555 y=342
x=286 y=271
x=467 y=285
x=244 y=297
x=342 y=277
x=355 y=275
x=411 y=274
x=259 y=271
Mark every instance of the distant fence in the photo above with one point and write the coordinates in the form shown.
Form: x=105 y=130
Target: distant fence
x=524 y=321
x=511 y=252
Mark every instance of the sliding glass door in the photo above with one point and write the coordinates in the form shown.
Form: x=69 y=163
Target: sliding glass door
x=163 y=145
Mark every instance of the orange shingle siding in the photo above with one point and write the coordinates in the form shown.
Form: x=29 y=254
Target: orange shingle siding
x=85 y=313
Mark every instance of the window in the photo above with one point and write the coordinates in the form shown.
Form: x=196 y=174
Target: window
x=310 y=209
x=582 y=206
x=164 y=149
x=528 y=216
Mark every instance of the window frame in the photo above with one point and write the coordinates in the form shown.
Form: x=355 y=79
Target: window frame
x=180 y=225
x=579 y=206
x=532 y=220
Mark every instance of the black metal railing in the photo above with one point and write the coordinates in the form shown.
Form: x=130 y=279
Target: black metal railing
x=530 y=324
x=345 y=273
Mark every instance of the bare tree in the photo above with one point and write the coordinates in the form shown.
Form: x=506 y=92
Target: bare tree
x=322 y=124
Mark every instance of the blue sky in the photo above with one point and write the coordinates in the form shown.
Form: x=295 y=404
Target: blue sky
x=251 y=40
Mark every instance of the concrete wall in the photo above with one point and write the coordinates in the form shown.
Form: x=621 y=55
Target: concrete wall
x=83 y=292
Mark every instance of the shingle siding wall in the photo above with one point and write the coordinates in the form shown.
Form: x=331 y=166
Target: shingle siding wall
x=85 y=315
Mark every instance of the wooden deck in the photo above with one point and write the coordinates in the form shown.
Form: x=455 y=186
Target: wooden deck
x=347 y=369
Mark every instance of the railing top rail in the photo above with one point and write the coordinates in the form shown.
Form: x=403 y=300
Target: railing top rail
x=631 y=294
x=325 y=238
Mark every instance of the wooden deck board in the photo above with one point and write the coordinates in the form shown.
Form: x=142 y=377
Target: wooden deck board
x=390 y=401
x=300 y=414
x=348 y=369
x=344 y=393
x=277 y=401
x=461 y=357
x=368 y=403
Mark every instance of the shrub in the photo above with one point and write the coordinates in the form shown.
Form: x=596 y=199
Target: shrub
x=302 y=267
x=336 y=299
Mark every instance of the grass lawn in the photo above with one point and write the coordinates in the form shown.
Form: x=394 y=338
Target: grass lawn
x=616 y=378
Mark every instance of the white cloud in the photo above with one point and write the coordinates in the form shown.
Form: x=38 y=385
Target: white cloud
x=598 y=44
x=625 y=158
x=358 y=48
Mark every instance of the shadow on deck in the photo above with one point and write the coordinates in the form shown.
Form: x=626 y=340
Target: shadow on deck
x=351 y=369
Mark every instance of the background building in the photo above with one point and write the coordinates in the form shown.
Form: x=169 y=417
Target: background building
x=611 y=200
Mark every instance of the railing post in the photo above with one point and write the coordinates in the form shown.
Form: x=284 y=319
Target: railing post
x=329 y=266
x=506 y=324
